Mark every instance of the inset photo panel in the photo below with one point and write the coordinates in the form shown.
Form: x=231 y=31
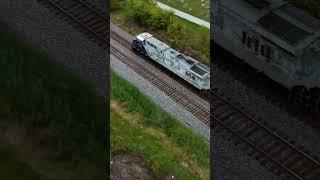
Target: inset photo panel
x=160 y=84
x=265 y=89
x=54 y=89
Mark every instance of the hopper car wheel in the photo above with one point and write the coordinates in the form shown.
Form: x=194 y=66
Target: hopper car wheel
x=315 y=99
x=299 y=95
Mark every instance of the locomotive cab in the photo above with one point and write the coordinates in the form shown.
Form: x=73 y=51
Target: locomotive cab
x=187 y=68
x=139 y=42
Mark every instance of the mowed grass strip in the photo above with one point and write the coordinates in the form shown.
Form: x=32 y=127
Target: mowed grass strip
x=40 y=93
x=153 y=116
x=195 y=8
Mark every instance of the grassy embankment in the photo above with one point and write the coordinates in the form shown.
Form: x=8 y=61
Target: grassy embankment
x=192 y=7
x=137 y=124
x=44 y=99
x=185 y=36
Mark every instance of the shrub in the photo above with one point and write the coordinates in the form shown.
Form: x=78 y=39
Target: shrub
x=147 y=14
x=116 y=4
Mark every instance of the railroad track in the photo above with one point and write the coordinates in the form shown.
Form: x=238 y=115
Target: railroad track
x=190 y=105
x=276 y=153
x=83 y=17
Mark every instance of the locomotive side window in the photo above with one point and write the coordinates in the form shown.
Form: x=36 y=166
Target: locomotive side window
x=249 y=42
x=244 y=37
x=256 y=47
x=262 y=50
x=265 y=51
x=268 y=52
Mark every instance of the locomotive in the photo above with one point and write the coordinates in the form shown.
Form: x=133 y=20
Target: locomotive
x=187 y=68
x=275 y=38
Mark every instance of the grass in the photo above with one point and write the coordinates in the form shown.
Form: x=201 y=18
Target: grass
x=14 y=169
x=197 y=10
x=159 y=155
x=43 y=94
x=168 y=137
x=195 y=42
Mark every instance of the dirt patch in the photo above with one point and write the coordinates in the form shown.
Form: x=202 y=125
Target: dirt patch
x=133 y=166
x=129 y=166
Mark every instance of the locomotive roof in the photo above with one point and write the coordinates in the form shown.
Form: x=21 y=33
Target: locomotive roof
x=144 y=36
x=199 y=70
x=281 y=23
x=159 y=44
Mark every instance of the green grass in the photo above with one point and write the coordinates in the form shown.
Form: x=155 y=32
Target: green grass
x=153 y=116
x=43 y=94
x=194 y=41
x=12 y=168
x=125 y=136
x=195 y=5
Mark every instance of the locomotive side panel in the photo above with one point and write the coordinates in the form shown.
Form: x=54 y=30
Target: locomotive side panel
x=171 y=59
x=281 y=41
x=240 y=39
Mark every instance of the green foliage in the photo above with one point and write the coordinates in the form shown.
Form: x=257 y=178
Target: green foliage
x=116 y=4
x=147 y=14
x=176 y=30
x=178 y=33
x=44 y=94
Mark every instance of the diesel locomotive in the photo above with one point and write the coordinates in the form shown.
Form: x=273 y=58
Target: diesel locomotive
x=187 y=68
